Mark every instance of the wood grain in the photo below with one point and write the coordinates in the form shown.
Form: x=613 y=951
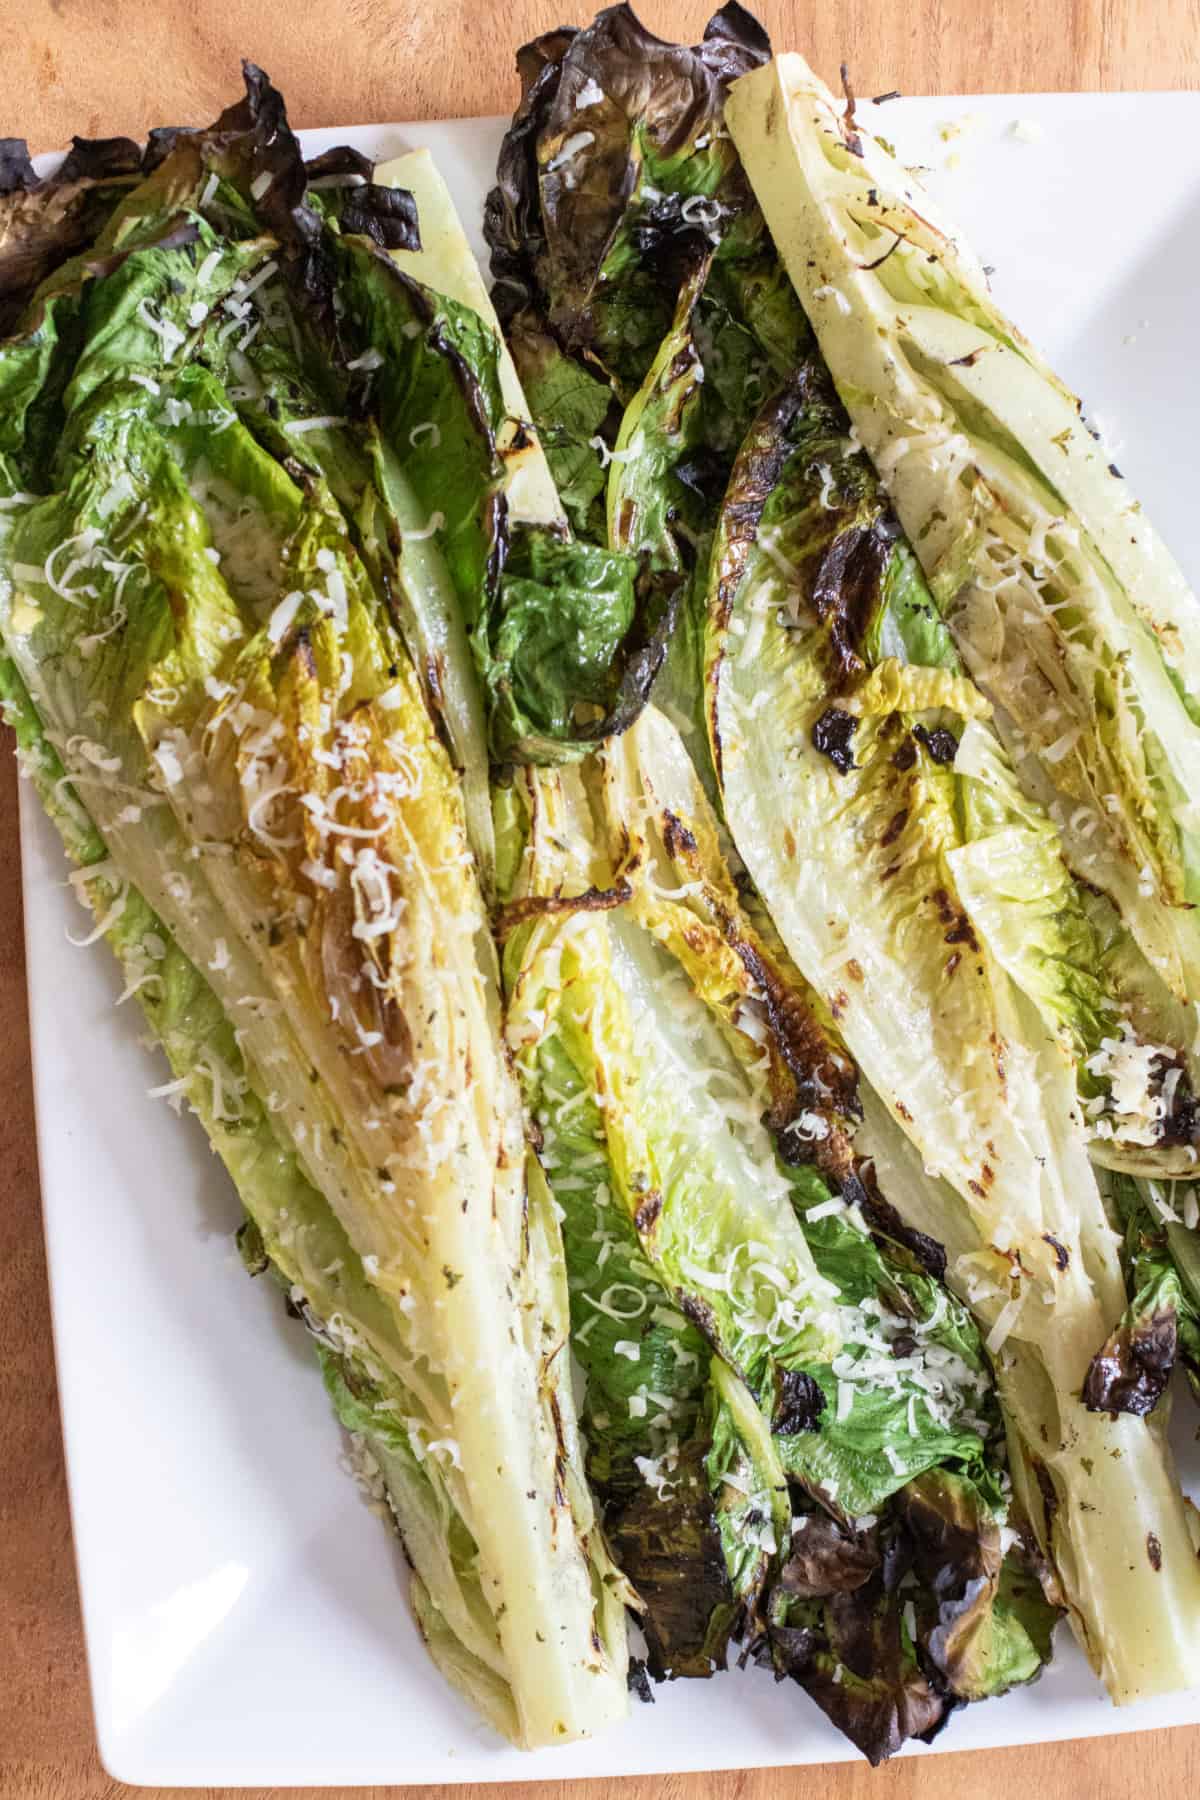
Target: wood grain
x=98 y=67
x=103 y=66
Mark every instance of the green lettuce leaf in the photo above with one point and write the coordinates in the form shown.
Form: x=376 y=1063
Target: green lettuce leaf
x=572 y=406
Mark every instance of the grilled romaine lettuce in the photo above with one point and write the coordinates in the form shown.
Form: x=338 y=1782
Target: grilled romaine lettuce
x=759 y=1335
x=201 y=410
x=836 y=711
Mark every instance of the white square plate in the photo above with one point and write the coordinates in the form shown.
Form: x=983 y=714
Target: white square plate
x=245 y=1615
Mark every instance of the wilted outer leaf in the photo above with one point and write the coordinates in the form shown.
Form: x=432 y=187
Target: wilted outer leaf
x=835 y=1625
x=981 y=1620
x=892 y=1627
x=43 y=222
x=588 y=223
x=1161 y=1325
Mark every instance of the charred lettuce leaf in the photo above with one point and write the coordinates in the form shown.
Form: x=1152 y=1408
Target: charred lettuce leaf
x=736 y=334
x=615 y=175
x=45 y=221
x=837 y=1626
x=666 y=1541
x=615 y=190
x=893 y=1624
x=983 y=1624
x=1161 y=1326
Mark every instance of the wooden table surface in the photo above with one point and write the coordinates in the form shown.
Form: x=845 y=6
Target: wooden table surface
x=99 y=67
